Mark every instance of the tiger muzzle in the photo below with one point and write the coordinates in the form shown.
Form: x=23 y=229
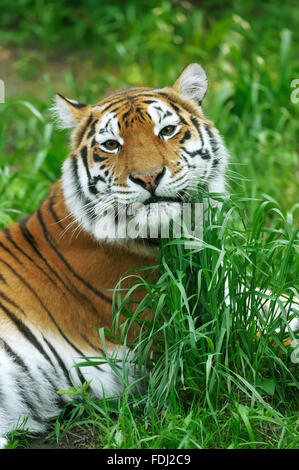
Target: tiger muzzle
x=148 y=181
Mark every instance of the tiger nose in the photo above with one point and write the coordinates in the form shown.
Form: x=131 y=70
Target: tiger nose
x=148 y=181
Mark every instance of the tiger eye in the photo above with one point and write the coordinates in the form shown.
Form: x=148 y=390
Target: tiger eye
x=167 y=130
x=111 y=144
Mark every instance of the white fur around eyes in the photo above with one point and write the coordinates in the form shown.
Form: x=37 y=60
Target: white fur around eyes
x=108 y=129
x=162 y=116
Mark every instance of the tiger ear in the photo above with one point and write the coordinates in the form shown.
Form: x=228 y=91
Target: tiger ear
x=192 y=83
x=67 y=112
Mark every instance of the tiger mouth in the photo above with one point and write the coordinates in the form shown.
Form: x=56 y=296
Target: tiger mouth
x=180 y=197
x=156 y=199
x=155 y=242
x=145 y=225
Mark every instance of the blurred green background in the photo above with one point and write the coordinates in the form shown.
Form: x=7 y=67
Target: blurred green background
x=87 y=49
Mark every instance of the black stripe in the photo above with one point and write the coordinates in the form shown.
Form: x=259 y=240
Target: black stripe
x=92 y=184
x=81 y=135
x=195 y=123
x=118 y=108
x=186 y=136
x=197 y=126
x=92 y=188
x=177 y=110
x=92 y=129
x=76 y=104
x=104 y=129
x=5 y=248
x=199 y=152
x=201 y=137
x=25 y=331
x=52 y=198
x=11 y=302
x=62 y=365
x=187 y=162
x=67 y=264
x=84 y=158
x=21 y=390
x=60 y=361
x=60 y=403
x=116 y=101
x=158 y=108
x=75 y=174
x=26 y=398
x=212 y=139
x=43 y=305
x=76 y=179
x=180 y=177
x=125 y=115
x=97 y=157
x=139 y=111
x=31 y=241
x=15 y=356
x=75 y=293
x=97 y=178
x=26 y=284
x=143 y=94
x=205 y=155
x=174 y=106
x=96 y=348
x=80 y=375
x=11 y=240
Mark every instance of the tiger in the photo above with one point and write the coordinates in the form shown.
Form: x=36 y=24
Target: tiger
x=58 y=267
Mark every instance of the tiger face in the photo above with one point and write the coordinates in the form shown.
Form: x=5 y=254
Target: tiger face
x=138 y=155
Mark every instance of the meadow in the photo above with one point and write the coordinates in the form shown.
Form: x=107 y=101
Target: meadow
x=213 y=383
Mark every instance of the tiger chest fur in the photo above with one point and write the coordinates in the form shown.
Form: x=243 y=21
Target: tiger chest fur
x=58 y=266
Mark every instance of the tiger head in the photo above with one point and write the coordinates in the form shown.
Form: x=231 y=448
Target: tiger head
x=137 y=149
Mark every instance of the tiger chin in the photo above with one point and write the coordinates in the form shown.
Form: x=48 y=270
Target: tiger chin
x=140 y=147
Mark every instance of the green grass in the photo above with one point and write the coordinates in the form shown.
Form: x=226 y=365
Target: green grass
x=212 y=384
